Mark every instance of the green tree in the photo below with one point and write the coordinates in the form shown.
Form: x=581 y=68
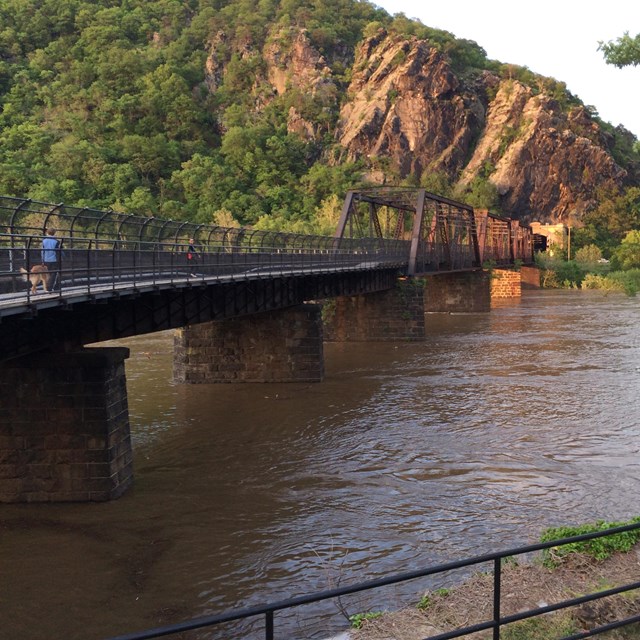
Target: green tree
x=627 y=255
x=623 y=52
x=482 y=194
x=588 y=255
x=615 y=215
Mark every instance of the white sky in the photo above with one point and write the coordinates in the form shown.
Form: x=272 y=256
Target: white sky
x=553 y=38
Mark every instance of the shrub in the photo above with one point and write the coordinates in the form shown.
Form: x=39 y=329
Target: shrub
x=599 y=548
x=597 y=281
x=627 y=281
x=358 y=619
x=589 y=255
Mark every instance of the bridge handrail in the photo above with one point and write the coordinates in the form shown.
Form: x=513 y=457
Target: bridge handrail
x=24 y=217
x=99 y=264
x=450 y=236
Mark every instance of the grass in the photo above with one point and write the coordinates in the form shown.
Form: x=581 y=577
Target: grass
x=599 y=548
x=544 y=627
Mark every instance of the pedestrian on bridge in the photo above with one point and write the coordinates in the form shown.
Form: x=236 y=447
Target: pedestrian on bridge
x=51 y=258
x=192 y=256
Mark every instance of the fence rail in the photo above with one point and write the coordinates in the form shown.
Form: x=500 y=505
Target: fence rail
x=96 y=264
x=495 y=623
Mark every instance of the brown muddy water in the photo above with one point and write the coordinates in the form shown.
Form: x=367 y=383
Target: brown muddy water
x=407 y=455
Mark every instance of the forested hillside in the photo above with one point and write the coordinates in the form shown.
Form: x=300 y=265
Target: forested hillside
x=239 y=112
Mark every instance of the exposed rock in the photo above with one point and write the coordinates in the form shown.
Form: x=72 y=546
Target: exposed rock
x=297 y=124
x=292 y=63
x=542 y=169
x=214 y=65
x=295 y=63
x=406 y=104
x=406 y=108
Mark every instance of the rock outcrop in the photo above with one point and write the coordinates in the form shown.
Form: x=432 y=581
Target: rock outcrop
x=539 y=165
x=407 y=109
x=293 y=64
x=406 y=103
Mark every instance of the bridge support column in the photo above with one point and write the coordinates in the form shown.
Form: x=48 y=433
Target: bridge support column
x=395 y=314
x=509 y=283
x=276 y=346
x=505 y=284
x=530 y=277
x=465 y=292
x=64 y=427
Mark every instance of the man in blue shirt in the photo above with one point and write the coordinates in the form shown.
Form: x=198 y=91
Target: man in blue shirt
x=51 y=258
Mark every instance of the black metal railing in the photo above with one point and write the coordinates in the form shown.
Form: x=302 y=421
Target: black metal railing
x=495 y=623
x=102 y=250
x=90 y=265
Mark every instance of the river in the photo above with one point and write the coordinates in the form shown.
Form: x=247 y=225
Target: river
x=408 y=454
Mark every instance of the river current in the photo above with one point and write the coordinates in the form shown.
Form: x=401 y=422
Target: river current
x=407 y=455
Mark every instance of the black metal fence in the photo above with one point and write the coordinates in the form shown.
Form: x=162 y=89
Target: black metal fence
x=94 y=263
x=495 y=623
x=98 y=249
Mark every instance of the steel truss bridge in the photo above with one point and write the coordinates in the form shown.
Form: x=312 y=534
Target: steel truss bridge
x=124 y=274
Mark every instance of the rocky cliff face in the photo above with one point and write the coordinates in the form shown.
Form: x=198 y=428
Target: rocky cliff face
x=406 y=103
x=541 y=167
x=406 y=106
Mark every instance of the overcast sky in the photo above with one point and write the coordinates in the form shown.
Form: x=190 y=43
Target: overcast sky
x=554 y=38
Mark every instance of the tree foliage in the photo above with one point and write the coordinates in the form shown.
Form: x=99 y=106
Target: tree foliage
x=627 y=255
x=623 y=52
x=608 y=223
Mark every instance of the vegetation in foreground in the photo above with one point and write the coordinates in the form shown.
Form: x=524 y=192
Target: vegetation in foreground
x=578 y=569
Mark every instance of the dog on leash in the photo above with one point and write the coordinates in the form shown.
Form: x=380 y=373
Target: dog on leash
x=39 y=274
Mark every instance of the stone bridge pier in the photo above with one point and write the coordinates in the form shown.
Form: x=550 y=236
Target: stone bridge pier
x=64 y=427
x=399 y=313
x=273 y=346
x=64 y=421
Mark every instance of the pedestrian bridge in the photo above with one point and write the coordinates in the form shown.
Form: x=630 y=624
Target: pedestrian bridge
x=241 y=307
x=106 y=256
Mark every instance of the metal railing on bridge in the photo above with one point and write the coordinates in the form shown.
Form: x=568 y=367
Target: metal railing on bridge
x=409 y=229
x=102 y=249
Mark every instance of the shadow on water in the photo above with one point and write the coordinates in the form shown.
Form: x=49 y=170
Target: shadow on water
x=406 y=455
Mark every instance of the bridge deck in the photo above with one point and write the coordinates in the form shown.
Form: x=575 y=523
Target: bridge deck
x=25 y=302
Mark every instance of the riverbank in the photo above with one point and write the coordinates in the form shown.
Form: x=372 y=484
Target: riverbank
x=524 y=587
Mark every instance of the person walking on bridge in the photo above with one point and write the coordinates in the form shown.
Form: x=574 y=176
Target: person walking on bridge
x=192 y=257
x=51 y=258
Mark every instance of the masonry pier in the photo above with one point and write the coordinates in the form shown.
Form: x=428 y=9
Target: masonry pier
x=275 y=346
x=395 y=314
x=64 y=427
x=466 y=292
x=399 y=313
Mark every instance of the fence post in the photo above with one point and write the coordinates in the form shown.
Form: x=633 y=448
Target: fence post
x=268 y=629
x=497 y=566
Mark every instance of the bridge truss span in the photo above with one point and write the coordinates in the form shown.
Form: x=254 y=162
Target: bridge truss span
x=107 y=256
x=444 y=235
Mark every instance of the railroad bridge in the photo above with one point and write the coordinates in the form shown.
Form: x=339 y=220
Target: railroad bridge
x=248 y=308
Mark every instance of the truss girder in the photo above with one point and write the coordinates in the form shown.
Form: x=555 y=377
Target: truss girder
x=445 y=235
